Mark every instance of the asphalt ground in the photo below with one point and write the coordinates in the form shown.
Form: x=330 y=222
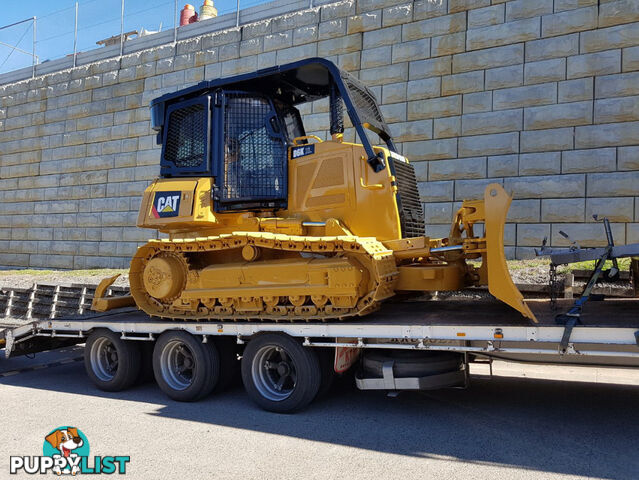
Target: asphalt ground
x=512 y=426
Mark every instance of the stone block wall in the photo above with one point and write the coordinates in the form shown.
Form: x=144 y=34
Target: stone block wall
x=541 y=96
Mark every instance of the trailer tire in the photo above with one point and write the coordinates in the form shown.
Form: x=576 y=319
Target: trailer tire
x=273 y=359
x=410 y=363
x=111 y=363
x=185 y=369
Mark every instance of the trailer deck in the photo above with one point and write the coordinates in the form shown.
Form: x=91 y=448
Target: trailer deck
x=609 y=335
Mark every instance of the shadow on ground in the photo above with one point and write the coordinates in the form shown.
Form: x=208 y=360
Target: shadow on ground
x=583 y=429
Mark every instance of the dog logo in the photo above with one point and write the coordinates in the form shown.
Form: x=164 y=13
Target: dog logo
x=66 y=445
x=166 y=204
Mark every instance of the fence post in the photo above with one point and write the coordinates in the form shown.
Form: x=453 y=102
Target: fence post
x=75 y=36
x=175 y=22
x=122 y=28
x=33 y=59
x=237 y=15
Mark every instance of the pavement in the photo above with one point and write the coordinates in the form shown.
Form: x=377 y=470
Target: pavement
x=574 y=422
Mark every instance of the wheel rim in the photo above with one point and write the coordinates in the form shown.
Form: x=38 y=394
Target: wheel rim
x=178 y=365
x=274 y=373
x=104 y=359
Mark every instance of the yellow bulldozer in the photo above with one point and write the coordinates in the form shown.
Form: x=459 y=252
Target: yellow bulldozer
x=265 y=222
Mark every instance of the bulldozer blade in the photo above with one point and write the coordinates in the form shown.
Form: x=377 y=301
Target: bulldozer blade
x=500 y=283
x=101 y=303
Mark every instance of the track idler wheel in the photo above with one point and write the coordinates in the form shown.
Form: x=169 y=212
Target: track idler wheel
x=164 y=277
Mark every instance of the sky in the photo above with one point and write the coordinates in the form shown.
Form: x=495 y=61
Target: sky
x=97 y=20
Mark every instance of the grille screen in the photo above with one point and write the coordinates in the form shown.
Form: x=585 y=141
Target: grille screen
x=186 y=137
x=411 y=214
x=254 y=160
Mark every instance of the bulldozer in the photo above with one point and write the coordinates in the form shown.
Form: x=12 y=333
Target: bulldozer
x=262 y=221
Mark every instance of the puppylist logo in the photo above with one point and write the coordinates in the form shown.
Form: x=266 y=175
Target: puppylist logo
x=66 y=452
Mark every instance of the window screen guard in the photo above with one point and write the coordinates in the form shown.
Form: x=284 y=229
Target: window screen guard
x=253 y=166
x=186 y=143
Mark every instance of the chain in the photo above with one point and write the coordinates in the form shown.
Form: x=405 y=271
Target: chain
x=553 y=283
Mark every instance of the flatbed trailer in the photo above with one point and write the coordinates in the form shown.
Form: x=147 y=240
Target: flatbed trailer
x=469 y=330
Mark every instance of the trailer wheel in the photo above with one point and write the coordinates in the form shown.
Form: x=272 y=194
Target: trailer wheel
x=279 y=374
x=185 y=368
x=112 y=364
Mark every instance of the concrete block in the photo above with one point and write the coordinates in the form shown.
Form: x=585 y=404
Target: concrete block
x=294 y=54
x=447 y=127
x=607 y=135
x=562 y=5
x=552 y=70
x=632 y=232
x=438 y=213
x=547 y=186
x=423 y=88
x=527 y=96
x=383 y=75
x=544 y=163
x=463 y=83
x=492 y=122
x=306 y=34
x=575 y=90
x=628 y=159
x=617 y=184
x=615 y=13
x=423 y=9
x=503 y=166
x=591 y=160
x=295 y=19
x=412 y=131
x=615 y=209
x=431 y=149
x=519 y=9
x=472 y=189
x=337 y=10
x=383 y=36
x=609 y=38
x=334 y=46
x=569 y=22
x=496 y=144
x=590 y=64
x=376 y=57
x=560 y=115
x=563 y=210
x=435 y=107
x=433 y=67
x=503 y=77
x=275 y=41
x=547 y=140
x=619 y=85
x=349 y=61
x=395 y=112
x=488 y=58
x=503 y=34
x=394 y=92
x=477 y=102
x=455 y=169
x=448 y=44
x=532 y=234
x=630 y=59
x=524 y=211
x=482 y=17
x=557 y=47
x=434 y=26
x=436 y=191
x=624 y=109
x=405 y=52
x=332 y=29
x=589 y=235
x=397 y=14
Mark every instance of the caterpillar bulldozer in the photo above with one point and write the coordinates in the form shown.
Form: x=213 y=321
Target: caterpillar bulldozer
x=265 y=222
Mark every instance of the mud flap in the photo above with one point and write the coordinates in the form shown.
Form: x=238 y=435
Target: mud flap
x=101 y=303
x=500 y=283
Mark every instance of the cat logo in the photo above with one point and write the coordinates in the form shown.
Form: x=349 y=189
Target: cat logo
x=166 y=204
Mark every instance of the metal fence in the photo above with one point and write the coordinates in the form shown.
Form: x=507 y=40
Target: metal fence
x=77 y=29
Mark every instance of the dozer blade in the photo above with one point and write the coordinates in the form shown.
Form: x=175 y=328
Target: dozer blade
x=102 y=304
x=500 y=283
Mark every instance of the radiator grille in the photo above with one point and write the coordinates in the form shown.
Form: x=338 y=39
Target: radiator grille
x=411 y=214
